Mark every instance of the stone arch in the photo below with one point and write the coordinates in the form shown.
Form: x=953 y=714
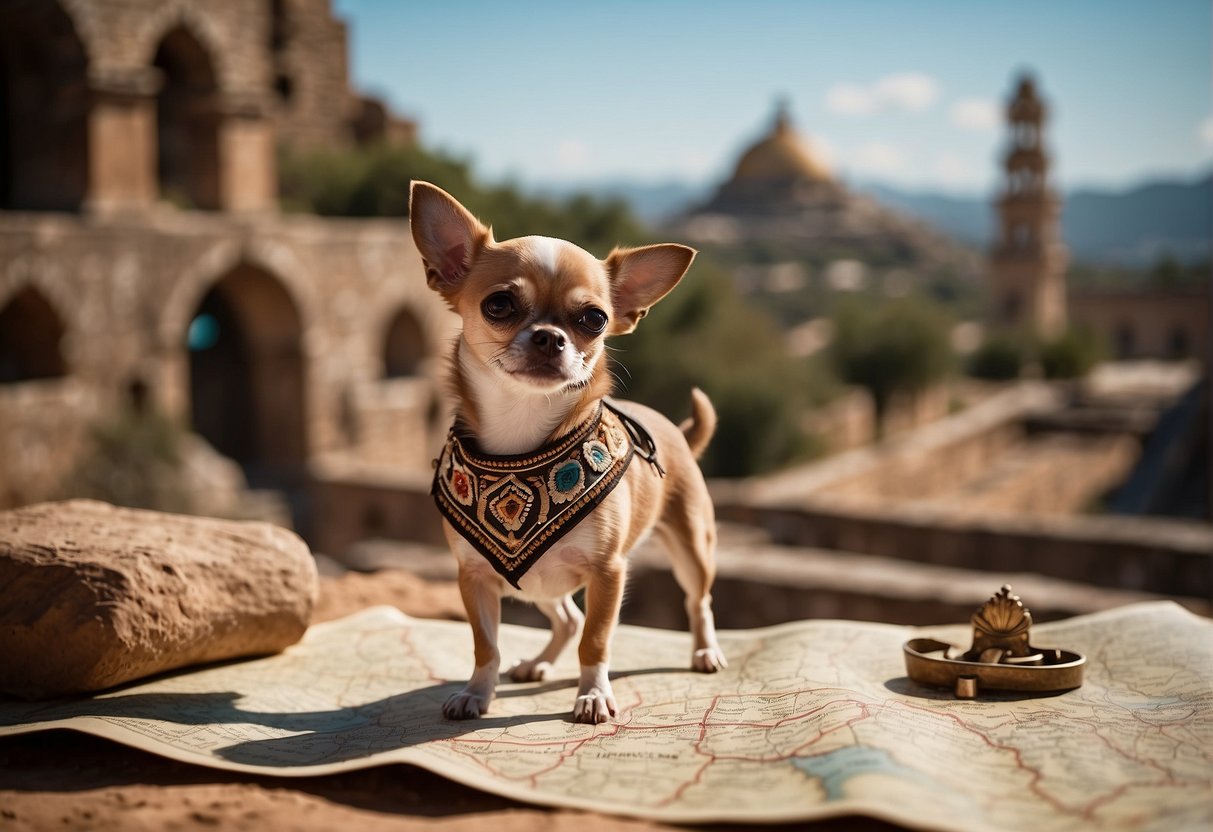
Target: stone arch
x=1125 y=339
x=187 y=121
x=220 y=260
x=44 y=109
x=31 y=338
x=247 y=373
x=405 y=344
x=1179 y=342
x=1011 y=307
x=183 y=14
x=280 y=36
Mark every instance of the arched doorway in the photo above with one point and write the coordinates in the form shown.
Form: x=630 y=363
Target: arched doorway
x=404 y=348
x=31 y=336
x=187 y=123
x=44 y=103
x=247 y=375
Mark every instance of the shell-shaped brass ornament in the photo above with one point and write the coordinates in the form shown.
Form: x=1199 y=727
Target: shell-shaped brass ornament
x=1001 y=656
x=1002 y=621
x=1004 y=614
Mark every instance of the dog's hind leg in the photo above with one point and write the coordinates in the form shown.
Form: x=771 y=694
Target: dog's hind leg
x=566 y=622
x=691 y=543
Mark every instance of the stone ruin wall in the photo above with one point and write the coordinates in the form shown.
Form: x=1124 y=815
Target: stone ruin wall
x=126 y=294
x=1167 y=324
x=119 y=274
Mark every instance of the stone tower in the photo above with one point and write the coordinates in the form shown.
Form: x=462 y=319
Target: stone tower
x=1028 y=259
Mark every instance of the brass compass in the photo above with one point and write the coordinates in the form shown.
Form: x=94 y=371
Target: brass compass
x=1001 y=658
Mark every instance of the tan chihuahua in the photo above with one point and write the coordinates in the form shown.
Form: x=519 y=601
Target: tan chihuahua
x=535 y=485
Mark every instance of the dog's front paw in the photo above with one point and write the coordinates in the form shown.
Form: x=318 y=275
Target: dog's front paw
x=465 y=705
x=594 y=706
x=708 y=660
x=533 y=670
x=595 y=699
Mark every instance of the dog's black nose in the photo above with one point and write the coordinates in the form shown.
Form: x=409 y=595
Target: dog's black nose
x=548 y=341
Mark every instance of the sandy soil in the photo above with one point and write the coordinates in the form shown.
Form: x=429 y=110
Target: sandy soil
x=64 y=780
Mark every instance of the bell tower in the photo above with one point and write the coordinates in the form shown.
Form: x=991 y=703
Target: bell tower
x=1028 y=259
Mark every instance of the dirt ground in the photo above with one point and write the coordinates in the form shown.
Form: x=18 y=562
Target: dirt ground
x=64 y=780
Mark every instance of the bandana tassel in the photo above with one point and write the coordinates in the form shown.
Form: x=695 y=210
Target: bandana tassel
x=642 y=440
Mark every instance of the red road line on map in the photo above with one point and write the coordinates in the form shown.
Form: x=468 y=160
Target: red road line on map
x=564 y=755
x=1034 y=773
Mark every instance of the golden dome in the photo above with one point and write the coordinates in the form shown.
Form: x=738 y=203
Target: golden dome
x=781 y=155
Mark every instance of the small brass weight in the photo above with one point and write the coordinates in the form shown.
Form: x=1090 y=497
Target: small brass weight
x=1001 y=658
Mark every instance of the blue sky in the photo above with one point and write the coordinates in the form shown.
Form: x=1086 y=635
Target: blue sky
x=908 y=93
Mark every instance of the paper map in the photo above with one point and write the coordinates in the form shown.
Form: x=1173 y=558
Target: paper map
x=810 y=720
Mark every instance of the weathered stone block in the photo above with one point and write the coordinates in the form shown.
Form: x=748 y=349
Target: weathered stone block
x=92 y=595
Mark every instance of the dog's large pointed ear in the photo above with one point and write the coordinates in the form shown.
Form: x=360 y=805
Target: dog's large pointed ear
x=448 y=237
x=642 y=276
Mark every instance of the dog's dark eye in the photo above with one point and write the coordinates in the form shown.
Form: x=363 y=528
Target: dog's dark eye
x=498 y=306
x=593 y=320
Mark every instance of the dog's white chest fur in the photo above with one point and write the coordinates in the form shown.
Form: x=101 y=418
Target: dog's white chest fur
x=516 y=419
x=558 y=571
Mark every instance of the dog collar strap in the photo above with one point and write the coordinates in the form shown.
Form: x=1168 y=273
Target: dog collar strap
x=512 y=509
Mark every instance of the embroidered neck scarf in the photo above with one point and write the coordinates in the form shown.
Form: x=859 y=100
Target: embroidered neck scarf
x=512 y=509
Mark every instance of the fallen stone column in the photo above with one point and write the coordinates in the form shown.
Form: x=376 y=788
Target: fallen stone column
x=92 y=595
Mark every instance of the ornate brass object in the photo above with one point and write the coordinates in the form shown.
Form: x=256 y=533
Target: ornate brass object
x=1001 y=658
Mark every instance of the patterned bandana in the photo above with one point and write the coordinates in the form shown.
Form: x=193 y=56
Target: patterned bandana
x=512 y=509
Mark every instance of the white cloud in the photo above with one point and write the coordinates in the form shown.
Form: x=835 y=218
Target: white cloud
x=877 y=158
x=980 y=114
x=1206 y=132
x=953 y=171
x=572 y=154
x=908 y=91
x=850 y=100
x=911 y=91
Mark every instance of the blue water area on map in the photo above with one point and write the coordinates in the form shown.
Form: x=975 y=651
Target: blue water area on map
x=837 y=767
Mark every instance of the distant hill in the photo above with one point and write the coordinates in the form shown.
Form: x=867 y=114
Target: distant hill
x=1132 y=227
x=1136 y=226
x=654 y=203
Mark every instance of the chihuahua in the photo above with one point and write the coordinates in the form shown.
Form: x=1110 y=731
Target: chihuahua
x=538 y=449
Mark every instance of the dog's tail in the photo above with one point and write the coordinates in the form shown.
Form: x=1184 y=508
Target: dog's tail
x=699 y=428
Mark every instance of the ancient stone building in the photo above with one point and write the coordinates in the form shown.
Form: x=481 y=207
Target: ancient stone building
x=782 y=191
x=1028 y=263
x=1028 y=260
x=1171 y=324
x=143 y=260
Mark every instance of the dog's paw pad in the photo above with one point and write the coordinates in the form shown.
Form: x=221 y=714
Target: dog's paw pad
x=709 y=660
x=465 y=705
x=530 y=671
x=594 y=708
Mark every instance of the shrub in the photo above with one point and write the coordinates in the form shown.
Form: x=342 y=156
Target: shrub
x=1000 y=358
x=374 y=182
x=1071 y=355
x=704 y=334
x=900 y=346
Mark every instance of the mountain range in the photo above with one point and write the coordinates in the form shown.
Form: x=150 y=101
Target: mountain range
x=1132 y=227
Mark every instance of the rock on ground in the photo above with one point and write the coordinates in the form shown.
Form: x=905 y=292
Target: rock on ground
x=92 y=595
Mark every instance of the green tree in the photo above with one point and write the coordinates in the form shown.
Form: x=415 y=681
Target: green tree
x=704 y=334
x=1071 y=354
x=1001 y=357
x=374 y=182
x=899 y=346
